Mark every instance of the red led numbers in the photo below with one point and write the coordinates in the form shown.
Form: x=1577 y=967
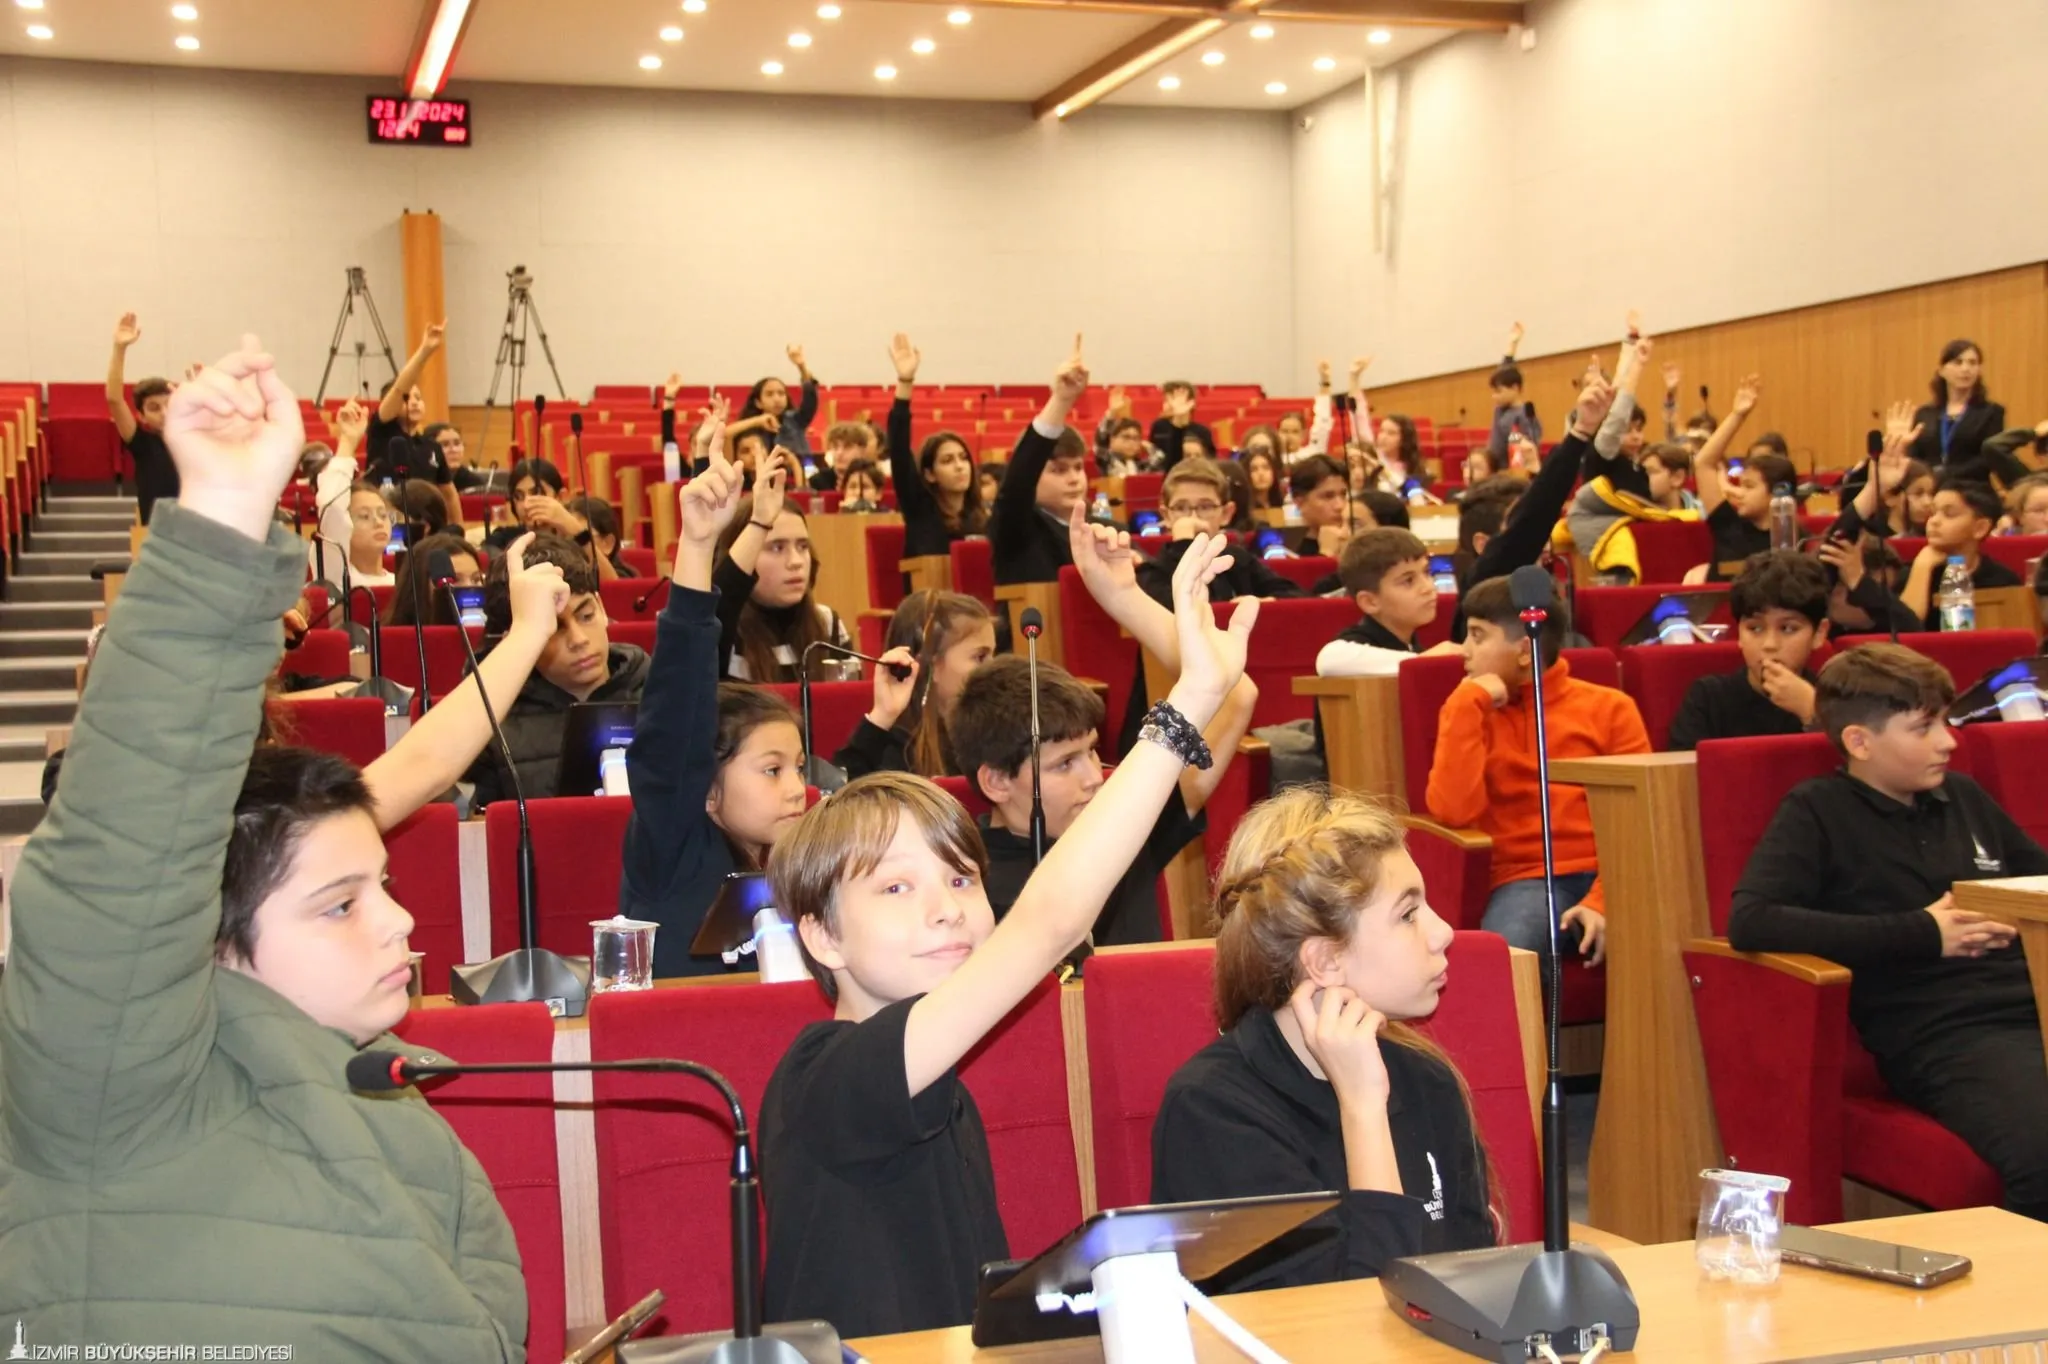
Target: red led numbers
x=419 y=122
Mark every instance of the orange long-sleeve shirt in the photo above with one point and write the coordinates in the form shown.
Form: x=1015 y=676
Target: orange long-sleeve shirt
x=1484 y=774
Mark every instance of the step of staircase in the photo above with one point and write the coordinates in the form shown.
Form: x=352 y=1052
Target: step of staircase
x=72 y=588
x=37 y=563
x=39 y=707
x=103 y=544
x=38 y=674
x=45 y=644
x=24 y=743
x=43 y=616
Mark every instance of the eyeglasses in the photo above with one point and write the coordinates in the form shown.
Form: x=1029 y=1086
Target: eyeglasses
x=372 y=517
x=1180 y=509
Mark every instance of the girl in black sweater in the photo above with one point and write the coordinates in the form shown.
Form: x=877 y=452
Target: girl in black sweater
x=945 y=636
x=938 y=492
x=1326 y=944
x=769 y=615
x=716 y=770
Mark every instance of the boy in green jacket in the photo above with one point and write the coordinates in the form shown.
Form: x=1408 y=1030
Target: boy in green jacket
x=200 y=943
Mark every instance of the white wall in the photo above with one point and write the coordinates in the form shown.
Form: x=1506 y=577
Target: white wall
x=1701 y=160
x=700 y=232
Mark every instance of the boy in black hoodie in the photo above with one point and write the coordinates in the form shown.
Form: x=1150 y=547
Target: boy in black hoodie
x=1046 y=480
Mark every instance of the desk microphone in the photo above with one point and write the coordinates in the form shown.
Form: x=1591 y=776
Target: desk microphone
x=817 y=772
x=381 y=1072
x=527 y=972
x=1500 y=1303
x=580 y=463
x=1032 y=623
x=398 y=459
x=660 y=588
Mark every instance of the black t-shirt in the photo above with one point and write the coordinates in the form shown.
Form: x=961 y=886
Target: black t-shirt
x=881 y=1203
x=1734 y=538
x=1726 y=706
x=1132 y=912
x=155 y=474
x=419 y=458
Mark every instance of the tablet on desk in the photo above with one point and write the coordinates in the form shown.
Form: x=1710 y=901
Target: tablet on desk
x=594 y=730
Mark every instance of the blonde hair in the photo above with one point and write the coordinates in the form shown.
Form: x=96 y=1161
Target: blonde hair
x=2016 y=496
x=1299 y=867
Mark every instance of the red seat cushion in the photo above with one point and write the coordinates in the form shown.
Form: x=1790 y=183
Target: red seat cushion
x=1658 y=676
x=1969 y=654
x=576 y=868
x=426 y=877
x=320 y=653
x=836 y=710
x=1666 y=549
x=1094 y=646
x=885 y=566
x=620 y=596
x=1605 y=615
x=1741 y=783
x=1018 y=1077
x=1903 y=1151
x=1148 y=1012
x=2011 y=759
x=1285 y=642
x=351 y=727
x=447 y=660
x=974 y=570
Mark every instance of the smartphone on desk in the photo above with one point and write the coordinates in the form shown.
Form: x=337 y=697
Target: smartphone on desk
x=1831 y=1250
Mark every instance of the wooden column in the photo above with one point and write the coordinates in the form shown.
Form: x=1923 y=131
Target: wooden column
x=1655 y=1131
x=1362 y=734
x=426 y=302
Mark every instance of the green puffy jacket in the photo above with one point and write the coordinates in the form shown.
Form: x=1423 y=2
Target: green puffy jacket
x=181 y=1160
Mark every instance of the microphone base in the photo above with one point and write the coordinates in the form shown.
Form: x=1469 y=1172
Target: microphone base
x=823 y=775
x=525 y=975
x=397 y=699
x=1494 y=1303
x=794 y=1342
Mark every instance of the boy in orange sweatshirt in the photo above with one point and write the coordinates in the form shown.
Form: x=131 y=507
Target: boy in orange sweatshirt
x=1484 y=775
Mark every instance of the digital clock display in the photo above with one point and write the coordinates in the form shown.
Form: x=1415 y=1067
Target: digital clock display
x=420 y=122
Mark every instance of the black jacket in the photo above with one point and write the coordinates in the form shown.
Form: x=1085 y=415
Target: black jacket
x=924 y=524
x=1965 y=456
x=675 y=858
x=1029 y=546
x=1522 y=539
x=1170 y=440
x=1245 y=1117
x=1247 y=576
x=533 y=729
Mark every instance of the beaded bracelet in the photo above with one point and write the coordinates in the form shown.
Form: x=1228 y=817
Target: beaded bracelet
x=1170 y=729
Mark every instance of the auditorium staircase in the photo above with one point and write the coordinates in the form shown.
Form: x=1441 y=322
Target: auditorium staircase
x=45 y=616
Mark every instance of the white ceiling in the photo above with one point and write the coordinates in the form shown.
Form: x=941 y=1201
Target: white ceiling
x=1009 y=55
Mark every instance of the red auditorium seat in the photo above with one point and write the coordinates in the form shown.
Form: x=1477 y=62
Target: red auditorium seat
x=349 y=726
x=1096 y=647
x=1794 y=1092
x=508 y=1123
x=426 y=877
x=320 y=653
x=1306 y=571
x=1438 y=631
x=1018 y=1077
x=1604 y=615
x=974 y=570
x=967 y=793
x=836 y=710
x=576 y=868
x=641 y=561
x=885 y=565
x=620 y=595
x=1658 y=677
x=1666 y=549
x=639 y=633
x=2016 y=551
x=1967 y=654
x=1290 y=632
x=2010 y=759
x=447 y=660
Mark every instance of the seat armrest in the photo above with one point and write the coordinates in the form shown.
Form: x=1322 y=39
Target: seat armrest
x=1456 y=866
x=1798 y=965
x=1467 y=840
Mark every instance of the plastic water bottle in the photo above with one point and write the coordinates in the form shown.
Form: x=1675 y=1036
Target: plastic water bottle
x=1784 y=518
x=1100 y=510
x=1958 y=596
x=387 y=488
x=671 y=462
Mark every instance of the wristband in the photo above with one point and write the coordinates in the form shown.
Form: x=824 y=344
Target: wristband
x=762 y=525
x=1171 y=730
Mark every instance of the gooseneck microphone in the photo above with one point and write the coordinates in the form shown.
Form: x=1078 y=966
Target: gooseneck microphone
x=581 y=465
x=659 y=589
x=1032 y=623
x=528 y=972
x=817 y=772
x=380 y=1072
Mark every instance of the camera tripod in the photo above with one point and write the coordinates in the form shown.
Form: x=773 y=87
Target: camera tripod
x=358 y=288
x=520 y=311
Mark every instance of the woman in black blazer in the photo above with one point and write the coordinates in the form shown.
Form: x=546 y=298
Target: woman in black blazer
x=1954 y=427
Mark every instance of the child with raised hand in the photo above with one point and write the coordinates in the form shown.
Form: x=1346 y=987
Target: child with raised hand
x=937 y=488
x=202 y=941
x=1047 y=478
x=941 y=637
x=716 y=771
x=141 y=427
x=1325 y=947
x=782 y=422
x=881 y=1198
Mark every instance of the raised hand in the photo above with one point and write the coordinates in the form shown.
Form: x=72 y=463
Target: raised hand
x=1515 y=334
x=436 y=335
x=893 y=697
x=1103 y=557
x=1747 y=392
x=710 y=436
x=350 y=421
x=1342 y=1033
x=235 y=434
x=706 y=506
x=670 y=385
x=1596 y=396
x=1211 y=659
x=1072 y=379
x=1119 y=403
x=1672 y=375
x=1323 y=373
x=1180 y=407
x=1635 y=324
x=1900 y=430
x=769 y=494
x=905 y=357
x=1359 y=365
x=127 y=331
x=795 y=352
x=539 y=593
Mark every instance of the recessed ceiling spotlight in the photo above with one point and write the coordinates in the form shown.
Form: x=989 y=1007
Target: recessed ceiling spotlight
x=959 y=17
x=885 y=72
x=1212 y=58
x=1379 y=37
x=693 y=6
x=924 y=47
x=771 y=68
x=1169 y=82
x=185 y=14
x=799 y=40
x=650 y=62
x=1262 y=31
x=42 y=33
x=1326 y=63
x=29 y=4
x=671 y=34
x=1060 y=111
x=828 y=11
x=185 y=42
x=1276 y=87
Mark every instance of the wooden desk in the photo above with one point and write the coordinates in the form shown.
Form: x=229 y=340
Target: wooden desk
x=1807 y=1317
x=1361 y=733
x=2021 y=901
x=840 y=543
x=2009 y=608
x=1655 y=1131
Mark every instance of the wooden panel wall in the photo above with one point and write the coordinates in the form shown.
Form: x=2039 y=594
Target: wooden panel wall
x=1826 y=369
x=426 y=302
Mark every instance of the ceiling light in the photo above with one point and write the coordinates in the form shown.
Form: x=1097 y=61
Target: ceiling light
x=1276 y=87
x=924 y=47
x=885 y=72
x=1060 y=112
x=799 y=40
x=1379 y=37
x=1326 y=63
x=185 y=42
x=828 y=11
x=959 y=17
x=771 y=68
x=1169 y=82
x=1262 y=31
x=650 y=62
x=430 y=69
x=29 y=4
x=1141 y=63
x=185 y=14
x=1212 y=58
x=693 y=6
x=671 y=34
x=40 y=32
